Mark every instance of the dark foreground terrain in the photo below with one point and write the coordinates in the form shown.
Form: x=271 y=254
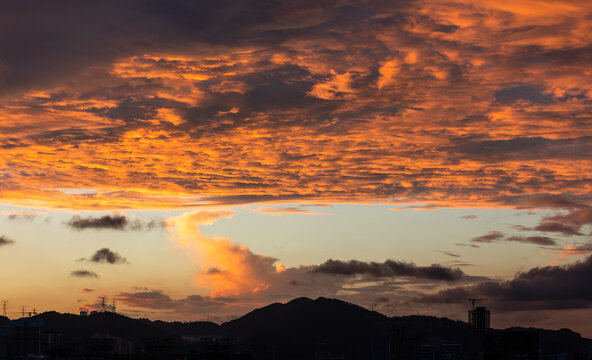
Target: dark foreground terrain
x=300 y=329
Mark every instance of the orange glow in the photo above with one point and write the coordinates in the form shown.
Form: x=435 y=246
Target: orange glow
x=573 y=251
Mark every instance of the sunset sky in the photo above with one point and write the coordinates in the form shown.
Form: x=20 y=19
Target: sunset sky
x=195 y=160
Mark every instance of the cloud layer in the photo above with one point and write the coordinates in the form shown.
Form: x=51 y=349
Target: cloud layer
x=170 y=104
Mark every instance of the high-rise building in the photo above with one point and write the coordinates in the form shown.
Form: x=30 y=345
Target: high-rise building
x=479 y=318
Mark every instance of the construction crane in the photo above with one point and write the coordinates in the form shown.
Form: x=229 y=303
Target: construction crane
x=473 y=300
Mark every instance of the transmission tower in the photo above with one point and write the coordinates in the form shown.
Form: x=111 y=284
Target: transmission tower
x=113 y=305
x=4 y=303
x=102 y=308
x=23 y=310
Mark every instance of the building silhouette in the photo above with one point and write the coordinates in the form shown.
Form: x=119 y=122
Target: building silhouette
x=26 y=338
x=515 y=344
x=479 y=318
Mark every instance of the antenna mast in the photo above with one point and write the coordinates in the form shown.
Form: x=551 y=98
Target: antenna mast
x=473 y=300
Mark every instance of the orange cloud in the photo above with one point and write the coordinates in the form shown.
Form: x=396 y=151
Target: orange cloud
x=230 y=269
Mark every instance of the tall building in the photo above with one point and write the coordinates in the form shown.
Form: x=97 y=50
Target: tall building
x=479 y=318
x=26 y=338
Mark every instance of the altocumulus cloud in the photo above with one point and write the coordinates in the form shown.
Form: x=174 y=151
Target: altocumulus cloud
x=406 y=70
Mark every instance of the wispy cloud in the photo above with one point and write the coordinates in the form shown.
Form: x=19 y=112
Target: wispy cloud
x=489 y=237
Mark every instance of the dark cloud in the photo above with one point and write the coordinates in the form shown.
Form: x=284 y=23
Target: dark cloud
x=95 y=34
x=550 y=226
x=105 y=255
x=390 y=268
x=153 y=299
x=147 y=299
x=489 y=237
x=113 y=222
x=578 y=213
x=547 y=202
x=4 y=240
x=448 y=296
x=548 y=287
x=537 y=240
x=469 y=217
x=84 y=273
x=87 y=290
x=91 y=35
x=530 y=93
x=567 y=224
x=496 y=236
x=525 y=148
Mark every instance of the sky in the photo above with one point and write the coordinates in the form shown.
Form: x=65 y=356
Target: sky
x=194 y=160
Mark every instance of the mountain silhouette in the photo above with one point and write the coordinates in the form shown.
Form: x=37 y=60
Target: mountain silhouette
x=77 y=328
x=304 y=326
x=4 y=321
